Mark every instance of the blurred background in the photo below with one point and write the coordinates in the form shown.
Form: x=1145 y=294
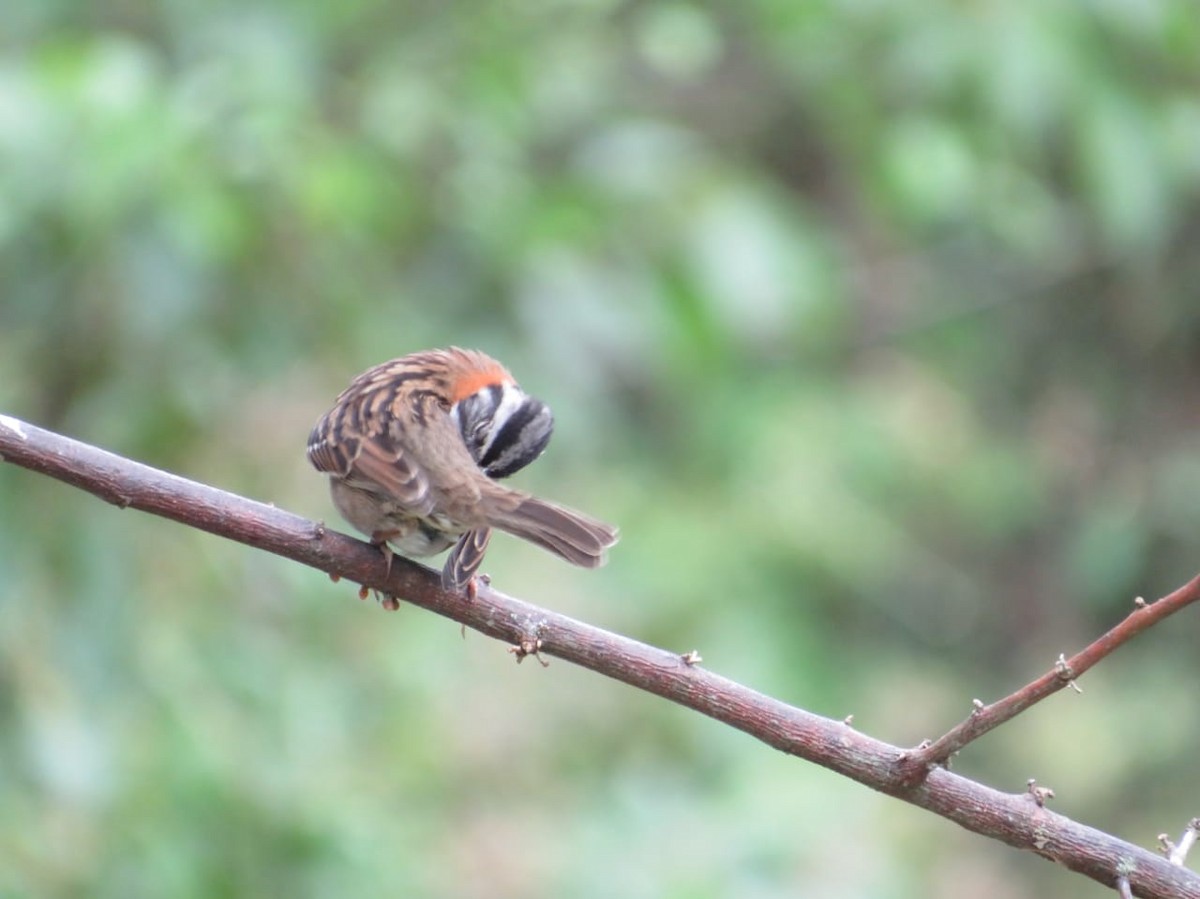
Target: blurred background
x=874 y=326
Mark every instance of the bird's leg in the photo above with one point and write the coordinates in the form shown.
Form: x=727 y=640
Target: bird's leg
x=380 y=539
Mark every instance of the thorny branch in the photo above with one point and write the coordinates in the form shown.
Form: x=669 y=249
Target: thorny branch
x=1018 y=819
x=1065 y=672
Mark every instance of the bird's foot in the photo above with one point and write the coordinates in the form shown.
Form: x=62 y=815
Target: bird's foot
x=389 y=602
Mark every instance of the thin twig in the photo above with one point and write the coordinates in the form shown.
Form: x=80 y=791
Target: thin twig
x=1178 y=852
x=918 y=761
x=1123 y=889
x=1013 y=818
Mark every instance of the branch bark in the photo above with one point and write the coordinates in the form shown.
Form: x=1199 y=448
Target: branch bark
x=1018 y=819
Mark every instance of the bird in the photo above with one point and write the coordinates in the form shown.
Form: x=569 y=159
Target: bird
x=414 y=449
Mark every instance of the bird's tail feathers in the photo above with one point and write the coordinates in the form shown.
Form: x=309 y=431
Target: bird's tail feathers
x=573 y=536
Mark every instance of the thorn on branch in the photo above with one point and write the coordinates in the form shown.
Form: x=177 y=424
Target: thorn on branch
x=848 y=720
x=1140 y=602
x=691 y=658
x=979 y=706
x=1065 y=673
x=1063 y=669
x=1039 y=794
x=529 y=647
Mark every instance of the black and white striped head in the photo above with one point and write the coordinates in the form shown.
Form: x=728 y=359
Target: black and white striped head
x=503 y=427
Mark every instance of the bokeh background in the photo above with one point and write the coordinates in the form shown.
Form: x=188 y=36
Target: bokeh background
x=875 y=326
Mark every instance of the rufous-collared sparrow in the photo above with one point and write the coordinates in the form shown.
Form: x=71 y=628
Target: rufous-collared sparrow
x=413 y=447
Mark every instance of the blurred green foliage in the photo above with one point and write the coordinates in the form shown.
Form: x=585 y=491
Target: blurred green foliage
x=873 y=325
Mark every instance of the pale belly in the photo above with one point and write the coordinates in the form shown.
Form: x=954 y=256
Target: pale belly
x=383 y=520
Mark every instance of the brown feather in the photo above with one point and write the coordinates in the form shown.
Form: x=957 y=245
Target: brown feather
x=573 y=536
x=464 y=560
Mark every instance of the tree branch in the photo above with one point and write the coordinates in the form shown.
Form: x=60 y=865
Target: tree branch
x=1019 y=819
x=917 y=762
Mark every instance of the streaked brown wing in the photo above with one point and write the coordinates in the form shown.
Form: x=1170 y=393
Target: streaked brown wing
x=383 y=466
x=360 y=441
x=390 y=432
